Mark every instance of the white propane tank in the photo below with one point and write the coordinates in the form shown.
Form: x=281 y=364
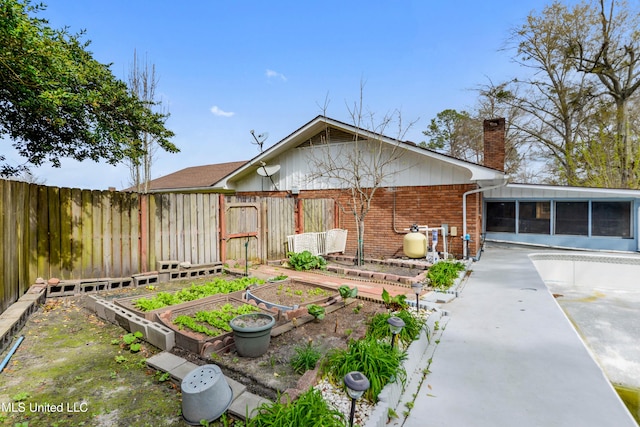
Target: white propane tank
x=415 y=243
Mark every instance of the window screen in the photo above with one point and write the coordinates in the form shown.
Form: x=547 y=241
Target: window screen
x=534 y=217
x=501 y=216
x=572 y=218
x=611 y=219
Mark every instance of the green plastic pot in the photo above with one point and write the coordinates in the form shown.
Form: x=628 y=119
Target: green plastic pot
x=252 y=333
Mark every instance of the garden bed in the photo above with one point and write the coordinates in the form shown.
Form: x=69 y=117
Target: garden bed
x=290 y=294
x=403 y=271
x=199 y=342
x=130 y=303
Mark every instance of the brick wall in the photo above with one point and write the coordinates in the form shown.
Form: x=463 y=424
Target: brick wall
x=426 y=205
x=494 y=143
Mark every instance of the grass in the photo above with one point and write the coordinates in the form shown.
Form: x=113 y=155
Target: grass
x=375 y=359
x=306 y=358
x=309 y=410
x=378 y=327
x=67 y=358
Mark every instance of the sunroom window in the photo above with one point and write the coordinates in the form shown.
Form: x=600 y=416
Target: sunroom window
x=572 y=218
x=611 y=219
x=501 y=217
x=534 y=217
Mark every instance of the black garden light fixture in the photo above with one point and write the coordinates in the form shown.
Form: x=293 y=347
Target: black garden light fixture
x=417 y=288
x=395 y=324
x=357 y=383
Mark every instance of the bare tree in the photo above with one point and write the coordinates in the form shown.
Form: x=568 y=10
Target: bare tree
x=143 y=83
x=555 y=101
x=362 y=166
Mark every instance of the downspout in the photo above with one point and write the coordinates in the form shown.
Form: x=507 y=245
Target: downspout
x=464 y=210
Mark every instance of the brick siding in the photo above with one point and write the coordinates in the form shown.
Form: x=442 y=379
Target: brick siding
x=424 y=205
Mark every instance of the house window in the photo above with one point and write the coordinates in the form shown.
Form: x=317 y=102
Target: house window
x=572 y=218
x=611 y=219
x=534 y=217
x=501 y=217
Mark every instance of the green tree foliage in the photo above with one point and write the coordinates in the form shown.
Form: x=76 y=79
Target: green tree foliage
x=57 y=101
x=453 y=132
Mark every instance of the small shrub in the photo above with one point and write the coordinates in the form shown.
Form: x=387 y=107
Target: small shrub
x=378 y=326
x=306 y=358
x=302 y=261
x=375 y=359
x=310 y=409
x=442 y=274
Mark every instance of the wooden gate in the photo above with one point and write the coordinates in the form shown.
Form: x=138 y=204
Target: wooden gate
x=240 y=219
x=256 y=228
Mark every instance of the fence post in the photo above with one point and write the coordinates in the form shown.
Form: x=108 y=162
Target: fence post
x=223 y=228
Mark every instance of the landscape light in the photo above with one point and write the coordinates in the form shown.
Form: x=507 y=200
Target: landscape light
x=395 y=324
x=417 y=288
x=357 y=383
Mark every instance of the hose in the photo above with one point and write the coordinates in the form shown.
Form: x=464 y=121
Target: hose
x=13 y=350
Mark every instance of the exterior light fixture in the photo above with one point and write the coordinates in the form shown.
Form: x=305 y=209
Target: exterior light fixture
x=356 y=383
x=417 y=288
x=395 y=324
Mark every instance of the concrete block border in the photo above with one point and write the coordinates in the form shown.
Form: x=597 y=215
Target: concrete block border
x=154 y=333
x=14 y=317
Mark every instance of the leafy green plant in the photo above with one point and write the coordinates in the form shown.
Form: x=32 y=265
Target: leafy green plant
x=378 y=326
x=213 y=322
x=316 y=311
x=347 y=292
x=442 y=274
x=399 y=302
x=132 y=341
x=22 y=396
x=162 y=376
x=310 y=409
x=278 y=278
x=375 y=359
x=214 y=287
x=302 y=261
x=306 y=358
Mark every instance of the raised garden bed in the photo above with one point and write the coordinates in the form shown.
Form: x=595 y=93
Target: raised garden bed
x=130 y=303
x=399 y=271
x=289 y=295
x=199 y=342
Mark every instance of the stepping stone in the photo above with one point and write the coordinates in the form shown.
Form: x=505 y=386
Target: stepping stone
x=245 y=404
x=176 y=366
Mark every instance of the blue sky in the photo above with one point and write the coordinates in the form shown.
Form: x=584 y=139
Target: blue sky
x=226 y=67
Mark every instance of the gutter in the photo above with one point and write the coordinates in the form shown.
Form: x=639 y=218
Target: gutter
x=464 y=211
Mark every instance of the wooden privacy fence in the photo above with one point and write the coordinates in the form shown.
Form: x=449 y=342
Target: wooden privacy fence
x=80 y=234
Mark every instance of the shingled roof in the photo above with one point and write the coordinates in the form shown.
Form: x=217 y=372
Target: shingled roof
x=194 y=176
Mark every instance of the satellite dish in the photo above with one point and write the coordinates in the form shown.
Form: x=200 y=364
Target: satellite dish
x=265 y=170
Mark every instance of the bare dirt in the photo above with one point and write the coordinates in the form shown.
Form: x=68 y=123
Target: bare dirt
x=271 y=374
x=73 y=369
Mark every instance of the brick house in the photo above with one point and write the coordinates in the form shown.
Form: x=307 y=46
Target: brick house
x=422 y=187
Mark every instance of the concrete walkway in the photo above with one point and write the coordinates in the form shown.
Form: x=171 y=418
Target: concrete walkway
x=509 y=357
